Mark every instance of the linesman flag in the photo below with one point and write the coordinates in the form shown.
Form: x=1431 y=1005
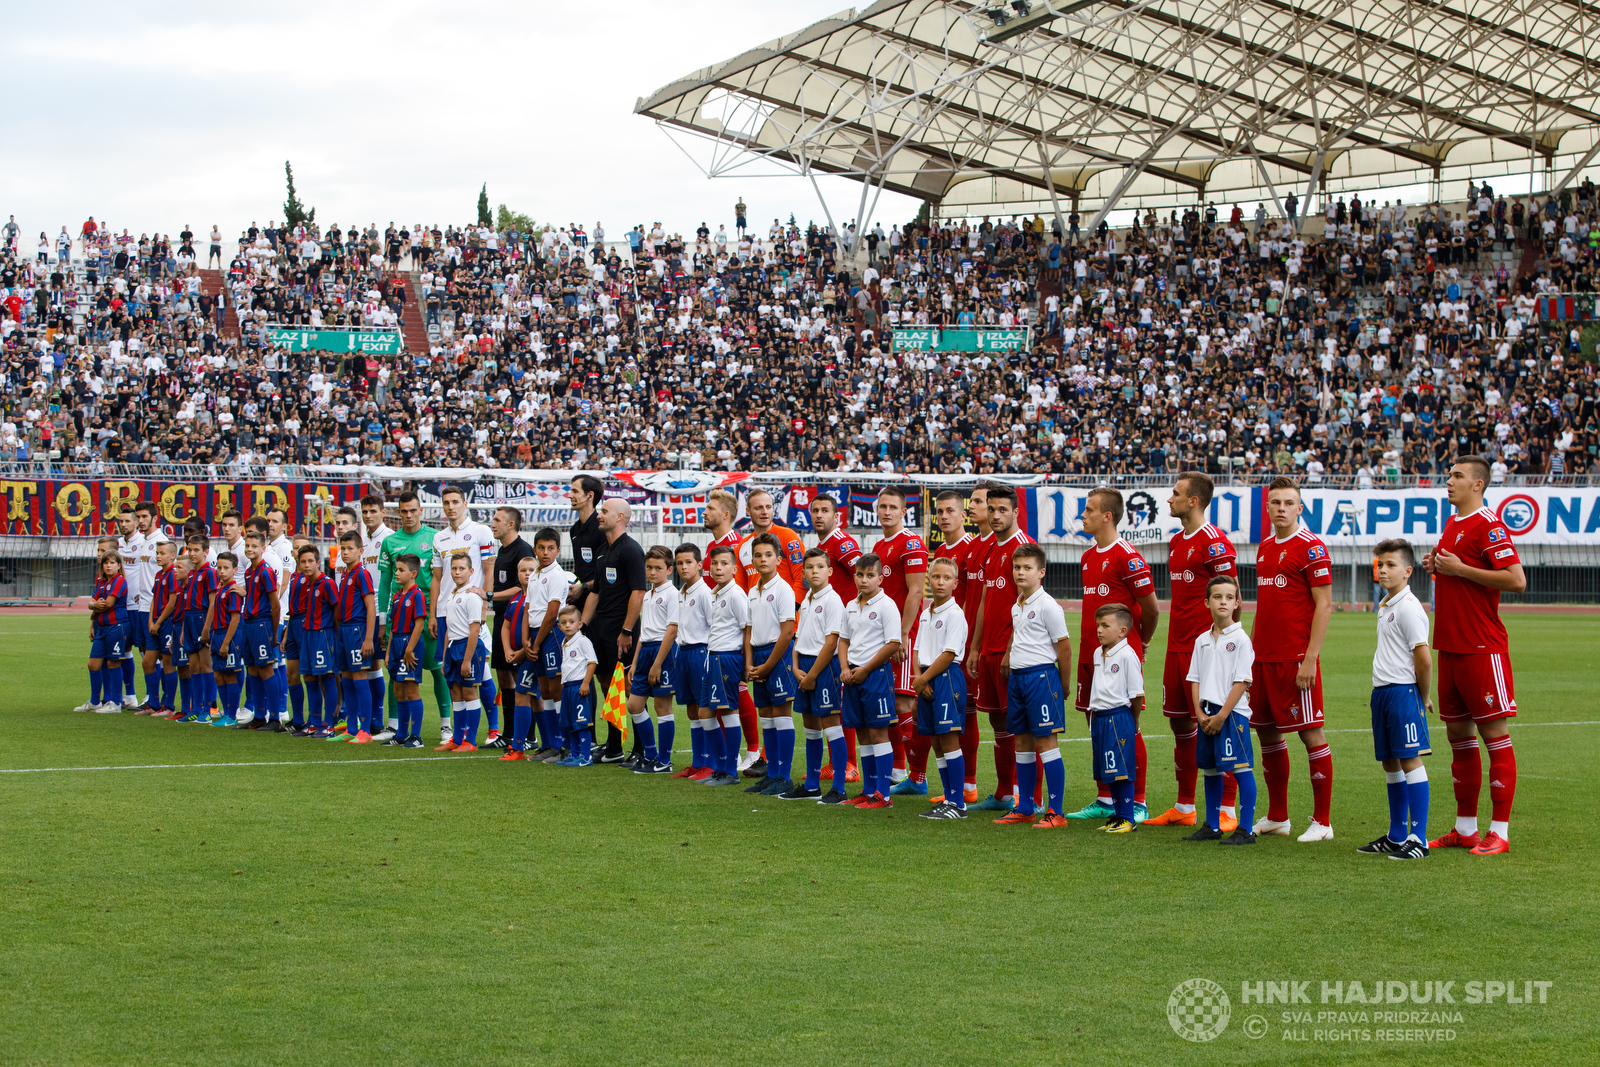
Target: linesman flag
x=615 y=709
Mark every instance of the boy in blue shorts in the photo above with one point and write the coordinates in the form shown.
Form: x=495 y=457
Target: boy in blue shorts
x=730 y=611
x=226 y=660
x=546 y=593
x=1041 y=671
x=869 y=637
x=199 y=608
x=259 y=629
x=314 y=626
x=694 y=630
x=158 y=656
x=358 y=614
x=526 y=664
x=408 y=614
x=1116 y=696
x=1402 y=673
x=819 y=695
x=653 y=675
x=578 y=662
x=1221 y=666
x=465 y=653
x=941 y=684
x=108 y=641
x=173 y=640
x=769 y=662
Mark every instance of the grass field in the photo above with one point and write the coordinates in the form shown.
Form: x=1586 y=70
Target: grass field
x=223 y=897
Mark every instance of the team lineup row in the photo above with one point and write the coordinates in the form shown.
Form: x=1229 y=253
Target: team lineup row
x=894 y=682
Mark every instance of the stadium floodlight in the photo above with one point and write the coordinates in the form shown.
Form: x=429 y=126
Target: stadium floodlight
x=998 y=16
x=1021 y=7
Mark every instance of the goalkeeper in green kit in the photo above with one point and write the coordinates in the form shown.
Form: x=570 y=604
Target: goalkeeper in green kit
x=414 y=538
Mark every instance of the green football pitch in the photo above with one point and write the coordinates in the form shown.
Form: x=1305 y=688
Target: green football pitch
x=181 y=895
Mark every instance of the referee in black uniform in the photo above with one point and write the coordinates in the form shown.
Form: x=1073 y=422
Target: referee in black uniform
x=611 y=612
x=587 y=540
x=507 y=529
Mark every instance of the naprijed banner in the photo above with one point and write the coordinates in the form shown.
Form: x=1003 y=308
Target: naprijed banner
x=76 y=507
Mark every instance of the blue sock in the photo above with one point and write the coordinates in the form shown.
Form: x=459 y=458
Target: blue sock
x=347 y=701
x=376 y=687
x=474 y=714
x=230 y=699
x=814 y=750
x=486 y=696
x=1027 y=778
x=402 y=709
x=1122 y=795
x=313 y=697
x=838 y=750
x=111 y=683
x=152 y=688
x=280 y=691
x=95 y=678
x=211 y=689
x=586 y=744
x=297 y=703
x=186 y=693
x=868 y=755
x=647 y=734
x=169 y=690
x=782 y=747
x=252 y=686
x=522 y=718
x=955 y=779
x=1247 y=798
x=1055 y=779
x=127 y=676
x=944 y=772
x=1396 y=786
x=416 y=718
x=885 y=768
x=666 y=734
x=697 y=748
x=1417 y=802
x=713 y=743
x=731 y=741
x=360 y=706
x=1213 y=784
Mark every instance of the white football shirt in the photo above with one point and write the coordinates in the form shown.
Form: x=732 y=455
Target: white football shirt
x=1219 y=660
x=870 y=626
x=1037 y=623
x=730 y=613
x=694 y=613
x=1402 y=626
x=771 y=605
x=1118 y=677
x=819 y=615
x=941 y=629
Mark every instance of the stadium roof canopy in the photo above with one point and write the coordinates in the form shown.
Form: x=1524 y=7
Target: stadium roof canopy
x=1155 y=103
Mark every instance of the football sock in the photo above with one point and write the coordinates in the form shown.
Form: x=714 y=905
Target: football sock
x=486 y=702
x=1213 y=788
x=917 y=758
x=851 y=754
x=1027 y=774
x=646 y=732
x=1321 y=768
x=95 y=680
x=186 y=692
x=1005 y=764
x=697 y=748
x=474 y=713
x=152 y=688
x=1417 y=803
x=252 y=688
x=1140 y=763
x=169 y=690
x=521 y=719
x=416 y=718
x=127 y=676
x=212 y=694
x=586 y=744
x=969 y=749
x=732 y=726
x=1055 y=778
x=1275 y=764
x=869 y=769
x=955 y=773
x=1395 y=783
x=747 y=722
x=314 y=702
x=666 y=735
x=768 y=742
x=944 y=774
x=783 y=742
x=1184 y=768
x=885 y=752
x=1122 y=797
x=899 y=738
x=376 y=686
x=1230 y=791
x=113 y=683
x=280 y=692
x=330 y=699
x=458 y=720
x=393 y=707
x=297 y=703
x=838 y=753
x=230 y=699
x=1466 y=776
x=441 y=689
x=711 y=742
x=814 y=750
x=1247 y=798
x=1502 y=784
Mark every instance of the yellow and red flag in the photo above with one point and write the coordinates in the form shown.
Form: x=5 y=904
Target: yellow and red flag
x=615 y=708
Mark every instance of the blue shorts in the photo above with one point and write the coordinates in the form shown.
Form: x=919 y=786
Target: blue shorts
x=826 y=698
x=639 y=685
x=1399 y=723
x=1111 y=733
x=194 y=631
x=869 y=705
x=316 y=654
x=526 y=675
x=348 y=655
x=293 y=634
x=109 y=641
x=172 y=642
x=777 y=688
x=724 y=670
x=550 y=656
x=398 y=671
x=234 y=660
x=463 y=662
x=1229 y=749
x=1034 y=703
x=946 y=713
x=139 y=630
x=577 y=711
x=255 y=637
x=692 y=672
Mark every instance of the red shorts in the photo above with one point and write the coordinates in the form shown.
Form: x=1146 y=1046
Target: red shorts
x=1175 y=685
x=1085 y=685
x=1277 y=702
x=1476 y=686
x=970 y=670
x=905 y=672
x=991 y=690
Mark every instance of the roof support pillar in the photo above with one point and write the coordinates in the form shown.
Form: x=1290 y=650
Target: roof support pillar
x=1588 y=157
x=1050 y=184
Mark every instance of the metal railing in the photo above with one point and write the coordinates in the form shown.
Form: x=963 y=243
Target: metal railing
x=43 y=467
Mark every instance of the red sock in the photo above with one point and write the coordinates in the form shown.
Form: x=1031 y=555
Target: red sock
x=1275 y=768
x=918 y=758
x=898 y=733
x=969 y=748
x=850 y=747
x=1321 y=761
x=1502 y=778
x=1466 y=776
x=1184 y=765
x=748 y=724
x=1005 y=764
x=1140 y=762
x=1230 y=789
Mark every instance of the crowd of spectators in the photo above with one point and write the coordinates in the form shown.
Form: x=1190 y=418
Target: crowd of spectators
x=1372 y=346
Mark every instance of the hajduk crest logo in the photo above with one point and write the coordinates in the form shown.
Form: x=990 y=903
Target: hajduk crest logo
x=1231 y=645
x=1520 y=513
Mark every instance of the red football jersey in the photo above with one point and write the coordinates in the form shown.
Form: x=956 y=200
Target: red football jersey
x=843 y=551
x=1466 y=615
x=958 y=551
x=1286 y=572
x=999 y=593
x=1193 y=560
x=978 y=550
x=904 y=553
x=731 y=539
x=1116 y=574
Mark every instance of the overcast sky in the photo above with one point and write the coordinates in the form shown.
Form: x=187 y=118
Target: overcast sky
x=152 y=116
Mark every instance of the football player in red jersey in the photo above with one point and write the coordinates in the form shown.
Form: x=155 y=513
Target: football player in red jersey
x=991 y=637
x=1113 y=573
x=762 y=510
x=949 y=512
x=1294 y=600
x=1473 y=563
x=720 y=510
x=843 y=551
x=905 y=567
x=1198 y=553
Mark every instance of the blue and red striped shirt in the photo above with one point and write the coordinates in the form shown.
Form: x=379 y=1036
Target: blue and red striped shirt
x=297 y=595
x=322 y=603
x=115 y=587
x=519 y=605
x=354 y=588
x=405 y=609
x=230 y=602
x=199 y=588
x=164 y=589
x=260 y=581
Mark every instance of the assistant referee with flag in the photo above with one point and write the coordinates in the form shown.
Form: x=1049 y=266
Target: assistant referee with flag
x=611 y=608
